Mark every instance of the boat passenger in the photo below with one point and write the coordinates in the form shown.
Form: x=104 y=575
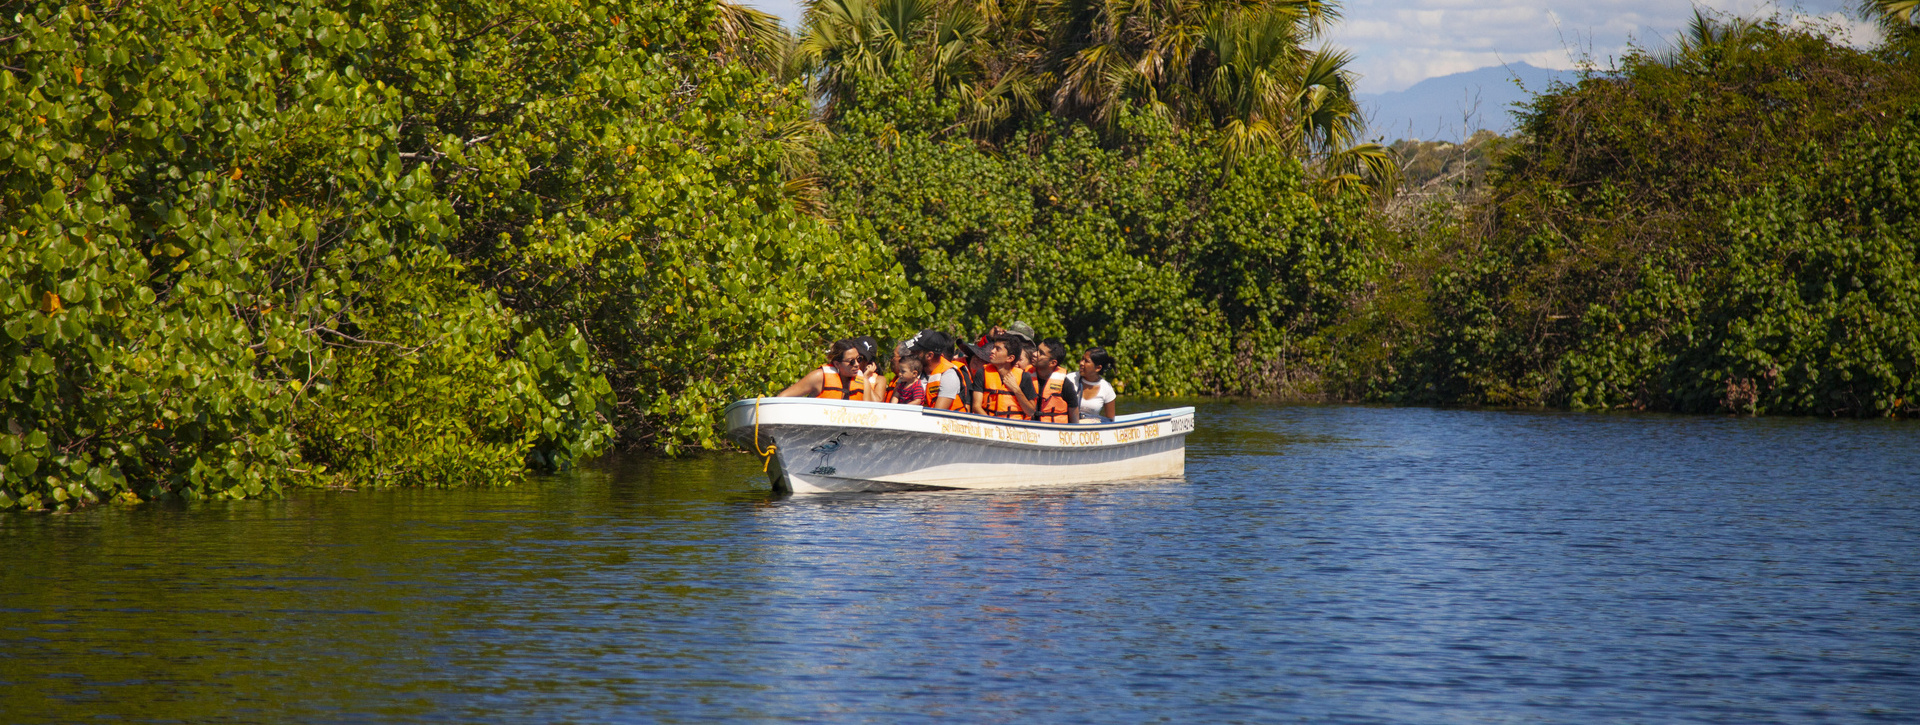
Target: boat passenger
x=1096 y=392
x=1024 y=331
x=907 y=388
x=1006 y=391
x=973 y=365
x=945 y=388
x=1059 y=400
x=870 y=356
x=844 y=377
x=893 y=368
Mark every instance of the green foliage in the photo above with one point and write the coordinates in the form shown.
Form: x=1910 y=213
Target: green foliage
x=640 y=203
x=1709 y=228
x=1820 y=314
x=1194 y=272
x=1242 y=72
x=258 y=244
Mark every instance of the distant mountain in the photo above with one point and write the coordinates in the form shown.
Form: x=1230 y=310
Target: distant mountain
x=1432 y=109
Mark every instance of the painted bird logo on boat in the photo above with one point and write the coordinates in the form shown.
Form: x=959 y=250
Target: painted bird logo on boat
x=826 y=449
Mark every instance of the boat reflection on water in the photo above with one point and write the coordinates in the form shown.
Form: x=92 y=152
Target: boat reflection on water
x=818 y=446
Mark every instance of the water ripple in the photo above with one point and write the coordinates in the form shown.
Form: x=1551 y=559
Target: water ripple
x=1324 y=564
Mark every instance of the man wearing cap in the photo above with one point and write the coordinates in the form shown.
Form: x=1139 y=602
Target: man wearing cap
x=1025 y=332
x=945 y=388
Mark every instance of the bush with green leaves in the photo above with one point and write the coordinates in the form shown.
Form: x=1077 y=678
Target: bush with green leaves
x=257 y=244
x=1816 y=310
x=615 y=183
x=1712 y=228
x=1198 y=274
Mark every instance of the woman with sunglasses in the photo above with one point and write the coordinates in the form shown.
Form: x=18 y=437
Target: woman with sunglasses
x=848 y=375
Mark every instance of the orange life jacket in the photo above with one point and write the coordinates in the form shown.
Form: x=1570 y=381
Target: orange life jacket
x=1052 y=406
x=834 y=388
x=932 y=379
x=1000 y=401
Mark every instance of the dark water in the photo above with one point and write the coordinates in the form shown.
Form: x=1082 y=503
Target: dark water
x=1318 y=564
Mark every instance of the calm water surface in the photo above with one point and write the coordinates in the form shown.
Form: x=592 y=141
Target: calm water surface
x=1317 y=564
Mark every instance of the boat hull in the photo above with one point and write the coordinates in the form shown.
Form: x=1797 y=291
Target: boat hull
x=832 y=446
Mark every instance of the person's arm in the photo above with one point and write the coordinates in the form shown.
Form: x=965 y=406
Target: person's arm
x=1108 y=409
x=1071 y=394
x=875 y=385
x=1021 y=397
x=949 y=389
x=977 y=392
x=807 y=386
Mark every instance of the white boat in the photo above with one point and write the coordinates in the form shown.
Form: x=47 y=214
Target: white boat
x=819 y=446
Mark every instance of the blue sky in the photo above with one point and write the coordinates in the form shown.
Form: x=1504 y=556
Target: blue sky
x=1397 y=43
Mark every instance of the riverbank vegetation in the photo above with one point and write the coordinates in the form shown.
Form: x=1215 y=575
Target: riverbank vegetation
x=1181 y=183
x=1715 y=227
x=253 y=245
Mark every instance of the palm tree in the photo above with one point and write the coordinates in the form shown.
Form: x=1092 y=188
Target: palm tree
x=1239 y=66
x=754 y=37
x=1236 y=65
x=1708 y=37
x=1250 y=89
x=1893 y=14
x=846 y=42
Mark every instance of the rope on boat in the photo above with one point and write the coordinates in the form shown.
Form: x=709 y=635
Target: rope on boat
x=766 y=456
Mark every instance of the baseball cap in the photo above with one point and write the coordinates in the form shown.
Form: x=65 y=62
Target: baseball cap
x=930 y=341
x=867 y=346
x=1021 y=330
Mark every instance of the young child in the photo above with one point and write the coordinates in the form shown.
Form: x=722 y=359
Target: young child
x=908 y=388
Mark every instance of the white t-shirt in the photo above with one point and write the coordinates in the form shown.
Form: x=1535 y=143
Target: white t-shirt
x=950 y=387
x=1093 y=396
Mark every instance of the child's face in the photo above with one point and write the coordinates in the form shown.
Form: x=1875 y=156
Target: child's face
x=908 y=376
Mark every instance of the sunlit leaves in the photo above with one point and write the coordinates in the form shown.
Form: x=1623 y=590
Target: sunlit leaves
x=1184 y=266
x=251 y=249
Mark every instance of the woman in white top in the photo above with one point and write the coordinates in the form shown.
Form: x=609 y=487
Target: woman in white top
x=1096 y=392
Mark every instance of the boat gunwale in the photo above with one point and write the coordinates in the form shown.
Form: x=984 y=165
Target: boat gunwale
x=1130 y=420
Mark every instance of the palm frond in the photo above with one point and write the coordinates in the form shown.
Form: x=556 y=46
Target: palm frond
x=752 y=36
x=1892 y=14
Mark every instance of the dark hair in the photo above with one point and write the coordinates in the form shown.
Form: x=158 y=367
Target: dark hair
x=1054 y=349
x=1012 y=342
x=839 y=349
x=1100 y=357
x=913 y=364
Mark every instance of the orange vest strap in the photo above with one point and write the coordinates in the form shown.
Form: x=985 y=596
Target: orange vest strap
x=1052 y=406
x=1000 y=401
x=932 y=381
x=832 y=387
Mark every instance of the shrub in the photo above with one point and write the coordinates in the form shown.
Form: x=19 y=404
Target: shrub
x=257 y=244
x=1199 y=275
x=1641 y=235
